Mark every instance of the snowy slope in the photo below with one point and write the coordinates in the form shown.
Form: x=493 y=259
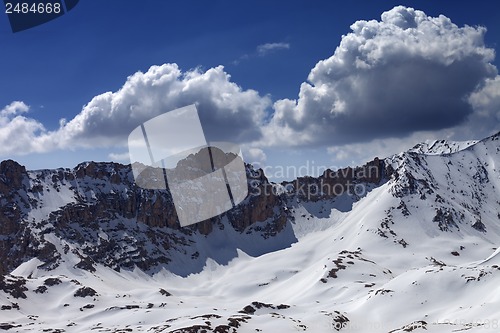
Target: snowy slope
x=417 y=253
x=439 y=147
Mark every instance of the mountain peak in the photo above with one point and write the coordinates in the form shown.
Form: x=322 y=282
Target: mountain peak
x=439 y=147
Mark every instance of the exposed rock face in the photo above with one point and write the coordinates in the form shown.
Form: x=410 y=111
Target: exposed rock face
x=97 y=211
x=97 y=214
x=333 y=183
x=261 y=205
x=12 y=176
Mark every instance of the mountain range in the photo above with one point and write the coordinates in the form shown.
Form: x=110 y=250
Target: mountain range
x=407 y=243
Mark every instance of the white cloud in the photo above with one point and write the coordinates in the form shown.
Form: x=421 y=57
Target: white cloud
x=122 y=157
x=486 y=103
x=255 y=155
x=406 y=73
x=14 y=108
x=226 y=110
x=267 y=48
x=358 y=153
x=18 y=134
x=262 y=50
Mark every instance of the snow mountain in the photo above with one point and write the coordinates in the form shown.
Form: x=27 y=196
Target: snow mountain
x=438 y=147
x=408 y=243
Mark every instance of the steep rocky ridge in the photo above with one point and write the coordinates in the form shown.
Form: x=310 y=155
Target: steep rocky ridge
x=97 y=211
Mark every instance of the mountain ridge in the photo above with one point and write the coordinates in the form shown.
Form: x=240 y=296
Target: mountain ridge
x=416 y=250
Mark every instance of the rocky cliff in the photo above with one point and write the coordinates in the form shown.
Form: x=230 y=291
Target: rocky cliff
x=98 y=212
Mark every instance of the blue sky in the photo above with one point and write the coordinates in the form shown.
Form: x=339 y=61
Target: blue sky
x=268 y=47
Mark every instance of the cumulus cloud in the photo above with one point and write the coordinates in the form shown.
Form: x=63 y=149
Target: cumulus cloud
x=407 y=72
x=14 y=108
x=227 y=112
x=267 y=48
x=486 y=103
x=19 y=134
x=122 y=157
x=358 y=153
x=255 y=155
